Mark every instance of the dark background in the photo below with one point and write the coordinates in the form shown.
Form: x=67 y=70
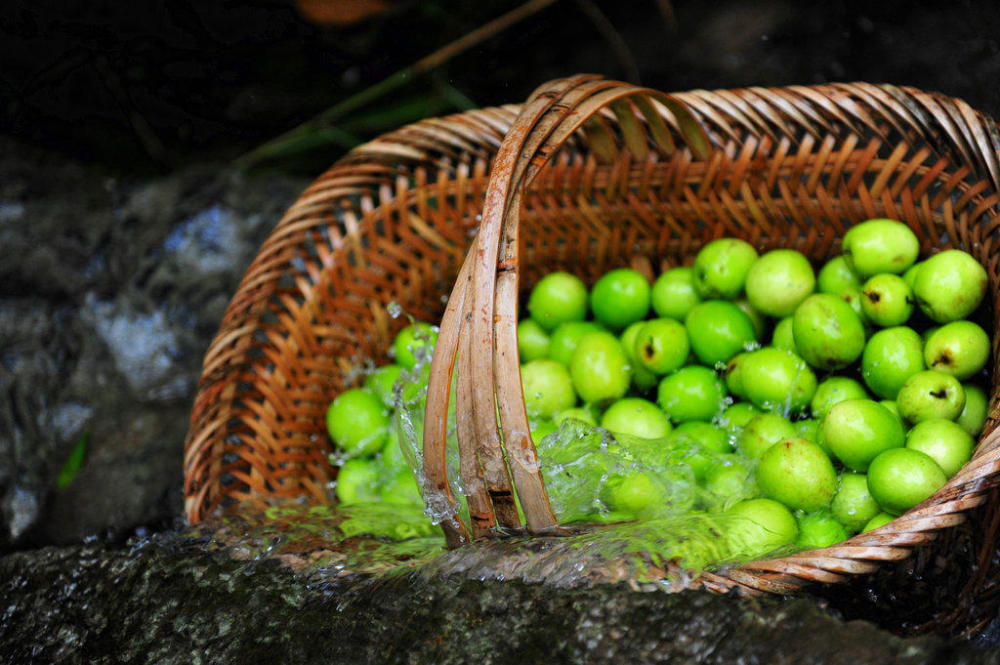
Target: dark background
x=147 y=86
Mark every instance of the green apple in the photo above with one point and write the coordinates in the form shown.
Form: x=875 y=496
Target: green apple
x=643 y=379
x=762 y=432
x=564 y=339
x=910 y=275
x=636 y=417
x=783 y=336
x=930 y=394
x=901 y=478
x=836 y=276
x=541 y=429
x=532 y=341
x=721 y=267
x=959 y=348
x=704 y=434
x=581 y=413
x=691 y=393
x=548 y=388
x=944 y=441
x=779 y=281
x=357 y=482
x=949 y=286
x=777 y=380
x=880 y=245
x=400 y=487
x=853 y=298
x=756 y=317
x=973 y=415
x=661 y=346
x=738 y=416
x=819 y=529
x=797 y=473
x=381 y=382
x=879 y=520
x=674 y=293
x=599 y=368
x=808 y=429
x=414 y=342
x=858 y=430
x=718 y=330
x=734 y=375
x=557 y=298
x=620 y=297
x=358 y=422
x=887 y=300
x=729 y=480
x=637 y=492
x=756 y=527
x=834 y=390
x=891 y=357
x=853 y=505
x=828 y=334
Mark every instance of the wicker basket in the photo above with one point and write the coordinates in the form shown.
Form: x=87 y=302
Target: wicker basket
x=586 y=168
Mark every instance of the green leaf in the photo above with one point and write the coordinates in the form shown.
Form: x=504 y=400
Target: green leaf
x=73 y=463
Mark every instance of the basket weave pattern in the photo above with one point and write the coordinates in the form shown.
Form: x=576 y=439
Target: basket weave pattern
x=588 y=175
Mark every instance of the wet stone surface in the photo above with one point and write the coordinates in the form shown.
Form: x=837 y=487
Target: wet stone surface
x=186 y=599
x=110 y=292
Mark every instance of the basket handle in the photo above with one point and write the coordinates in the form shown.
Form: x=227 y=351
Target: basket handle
x=479 y=327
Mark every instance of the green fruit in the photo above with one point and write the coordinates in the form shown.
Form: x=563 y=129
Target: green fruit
x=718 y=330
x=779 y=281
x=949 y=286
x=777 y=380
x=858 y=430
x=414 y=342
x=721 y=267
x=401 y=488
x=756 y=527
x=973 y=415
x=783 y=336
x=643 y=379
x=358 y=422
x=836 y=277
x=797 y=473
x=661 y=346
x=943 y=441
x=887 y=300
x=762 y=432
x=930 y=394
x=853 y=505
x=891 y=357
x=548 y=388
x=691 y=393
x=704 y=434
x=910 y=276
x=808 y=429
x=880 y=245
x=620 y=297
x=357 y=482
x=381 y=382
x=541 y=429
x=636 y=417
x=599 y=368
x=639 y=493
x=557 y=298
x=734 y=375
x=959 y=348
x=834 y=390
x=581 y=413
x=819 y=529
x=532 y=341
x=729 y=480
x=564 y=339
x=828 y=334
x=674 y=293
x=901 y=478
x=756 y=317
x=738 y=416
x=879 y=520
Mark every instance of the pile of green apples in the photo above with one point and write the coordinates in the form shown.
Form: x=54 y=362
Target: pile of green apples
x=804 y=407
x=798 y=407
